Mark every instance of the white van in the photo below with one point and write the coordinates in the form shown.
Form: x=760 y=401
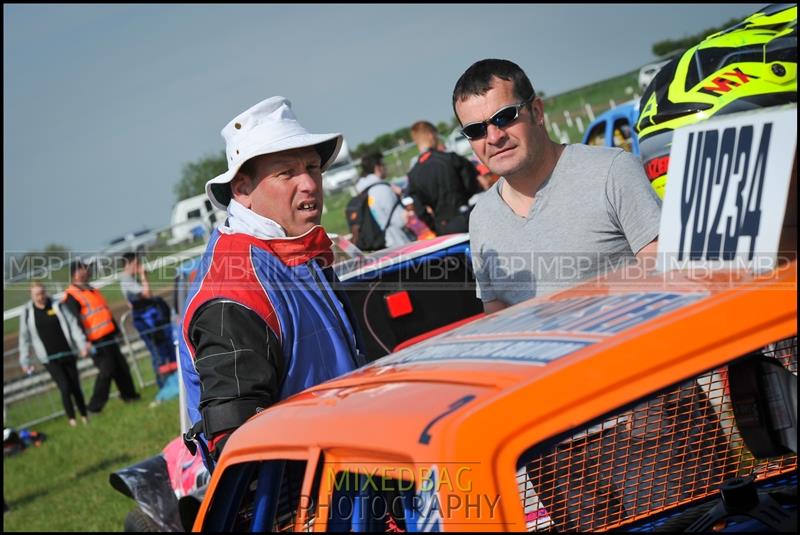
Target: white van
x=194 y=218
x=456 y=142
x=342 y=173
x=131 y=242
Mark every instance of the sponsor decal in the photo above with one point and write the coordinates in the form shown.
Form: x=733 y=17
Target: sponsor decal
x=726 y=82
x=543 y=332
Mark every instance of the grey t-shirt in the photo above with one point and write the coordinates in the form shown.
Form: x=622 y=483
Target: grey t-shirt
x=595 y=212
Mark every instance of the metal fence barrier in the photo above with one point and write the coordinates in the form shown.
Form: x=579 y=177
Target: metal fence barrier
x=35 y=398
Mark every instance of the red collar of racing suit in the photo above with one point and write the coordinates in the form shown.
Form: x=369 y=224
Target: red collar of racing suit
x=298 y=249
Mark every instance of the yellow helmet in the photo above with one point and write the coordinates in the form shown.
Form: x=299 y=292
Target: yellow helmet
x=750 y=65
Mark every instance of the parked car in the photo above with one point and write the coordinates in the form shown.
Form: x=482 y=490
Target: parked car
x=192 y=218
x=611 y=405
x=340 y=176
x=615 y=128
x=397 y=294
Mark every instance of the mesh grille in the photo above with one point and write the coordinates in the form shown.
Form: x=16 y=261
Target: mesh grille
x=673 y=448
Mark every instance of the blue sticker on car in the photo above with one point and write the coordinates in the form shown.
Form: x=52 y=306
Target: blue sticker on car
x=546 y=331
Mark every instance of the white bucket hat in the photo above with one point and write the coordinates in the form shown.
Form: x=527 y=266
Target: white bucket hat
x=269 y=126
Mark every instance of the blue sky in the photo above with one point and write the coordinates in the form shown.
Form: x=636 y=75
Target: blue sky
x=103 y=104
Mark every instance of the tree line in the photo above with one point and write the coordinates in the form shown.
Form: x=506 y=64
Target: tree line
x=673 y=46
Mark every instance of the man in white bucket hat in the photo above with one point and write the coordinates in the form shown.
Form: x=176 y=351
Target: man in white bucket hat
x=263 y=320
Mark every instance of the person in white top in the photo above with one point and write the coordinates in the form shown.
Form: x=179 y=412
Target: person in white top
x=384 y=201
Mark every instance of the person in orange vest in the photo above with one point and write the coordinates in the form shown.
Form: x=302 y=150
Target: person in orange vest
x=97 y=321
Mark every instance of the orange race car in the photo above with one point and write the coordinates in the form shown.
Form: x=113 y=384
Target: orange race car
x=623 y=403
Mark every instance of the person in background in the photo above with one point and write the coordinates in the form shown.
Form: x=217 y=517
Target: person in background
x=440 y=183
x=485 y=178
x=384 y=203
x=151 y=316
x=57 y=338
x=98 y=324
x=414 y=225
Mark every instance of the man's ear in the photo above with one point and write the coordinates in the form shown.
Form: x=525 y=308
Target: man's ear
x=537 y=111
x=241 y=188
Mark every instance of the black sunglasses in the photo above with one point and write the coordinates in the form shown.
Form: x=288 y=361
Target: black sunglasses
x=502 y=117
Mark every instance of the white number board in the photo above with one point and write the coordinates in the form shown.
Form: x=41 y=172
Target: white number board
x=727 y=190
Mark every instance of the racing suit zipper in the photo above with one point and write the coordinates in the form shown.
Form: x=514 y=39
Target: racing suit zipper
x=312 y=268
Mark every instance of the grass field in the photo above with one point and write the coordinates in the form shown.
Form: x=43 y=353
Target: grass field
x=397 y=164
x=45 y=404
x=597 y=95
x=63 y=484
x=333 y=219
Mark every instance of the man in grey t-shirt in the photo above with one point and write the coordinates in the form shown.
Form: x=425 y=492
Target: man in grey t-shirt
x=561 y=213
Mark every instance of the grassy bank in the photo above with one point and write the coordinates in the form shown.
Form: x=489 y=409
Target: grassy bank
x=62 y=485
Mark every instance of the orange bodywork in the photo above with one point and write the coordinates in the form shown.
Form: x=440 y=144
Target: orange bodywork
x=471 y=419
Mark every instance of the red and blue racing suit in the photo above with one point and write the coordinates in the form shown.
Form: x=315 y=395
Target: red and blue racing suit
x=263 y=321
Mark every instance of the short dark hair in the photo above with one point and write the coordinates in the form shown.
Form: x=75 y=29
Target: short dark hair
x=369 y=162
x=129 y=257
x=224 y=192
x=75 y=266
x=249 y=167
x=477 y=80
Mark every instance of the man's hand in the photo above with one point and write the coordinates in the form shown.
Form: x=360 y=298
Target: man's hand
x=218 y=443
x=84 y=352
x=27 y=369
x=646 y=256
x=495 y=305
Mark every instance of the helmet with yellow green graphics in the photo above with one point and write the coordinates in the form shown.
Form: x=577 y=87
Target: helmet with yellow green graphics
x=752 y=64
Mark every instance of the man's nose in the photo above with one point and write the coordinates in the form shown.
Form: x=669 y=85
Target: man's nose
x=308 y=182
x=494 y=134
